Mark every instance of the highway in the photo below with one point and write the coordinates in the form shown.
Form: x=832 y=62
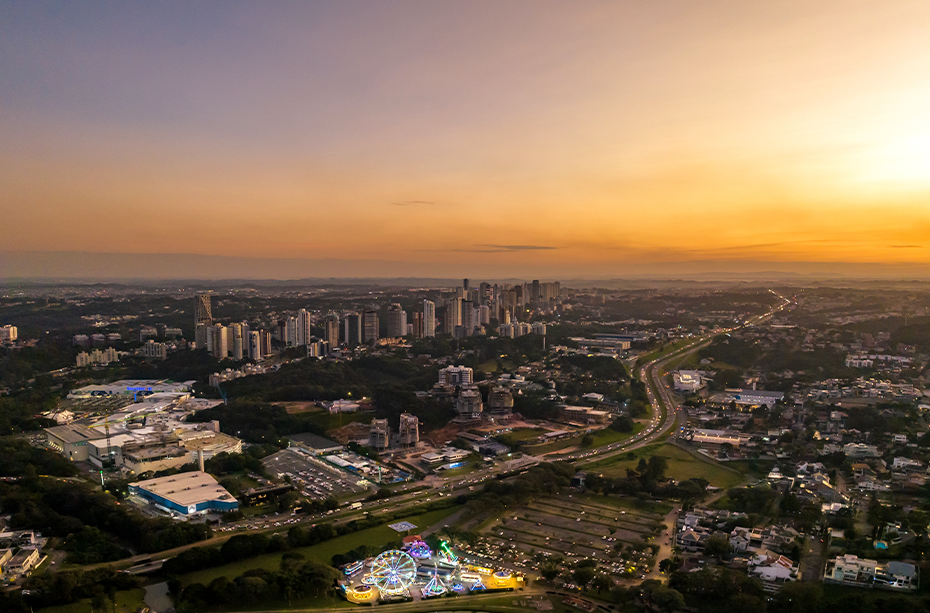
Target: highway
x=667 y=417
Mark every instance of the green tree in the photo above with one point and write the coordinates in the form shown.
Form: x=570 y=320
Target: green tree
x=717 y=546
x=583 y=575
x=602 y=583
x=667 y=599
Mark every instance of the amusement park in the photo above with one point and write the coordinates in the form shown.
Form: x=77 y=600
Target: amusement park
x=417 y=572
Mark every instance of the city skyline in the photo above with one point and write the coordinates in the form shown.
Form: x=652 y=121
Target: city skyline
x=596 y=140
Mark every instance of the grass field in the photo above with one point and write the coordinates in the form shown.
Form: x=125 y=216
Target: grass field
x=524 y=434
x=681 y=466
x=322 y=552
x=127 y=601
x=329 y=421
x=609 y=435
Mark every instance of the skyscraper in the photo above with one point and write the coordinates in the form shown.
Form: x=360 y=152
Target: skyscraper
x=303 y=327
x=255 y=345
x=220 y=342
x=453 y=316
x=203 y=319
x=290 y=332
x=352 y=330
x=370 y=325
x=396 y=321
x=468 y=318
x=236 y=330
x=429 y=318
x=331 y=330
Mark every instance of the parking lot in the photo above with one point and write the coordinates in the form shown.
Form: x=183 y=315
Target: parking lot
x=312 y=477
x=620 y=539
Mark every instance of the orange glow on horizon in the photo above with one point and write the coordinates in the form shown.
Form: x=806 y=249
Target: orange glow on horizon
x=608 y=134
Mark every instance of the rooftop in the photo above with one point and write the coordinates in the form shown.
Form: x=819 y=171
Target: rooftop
x=186 y=488
x=75 y=433
x=313 y=441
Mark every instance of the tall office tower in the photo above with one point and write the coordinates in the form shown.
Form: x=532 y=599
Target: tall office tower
x=379 y=436
x=484 y=292
x=519 y=295
x=290 y=332
x=266 y=343
x=459 y=292
x=453 y=316
x=429 y=318
x=416 y=326
x=245 y=336
x=396 y=321
x=255 y=345
x=409 y=429
x=236 y=330
x=468 y=318
x=465 y=285
x=352 y=331
x=534 y=292
x=220 y=345
x=370 y=332
x=203 y=319
x=484 y=315
x=505 y=316
x=303 y=327
x=331 y=330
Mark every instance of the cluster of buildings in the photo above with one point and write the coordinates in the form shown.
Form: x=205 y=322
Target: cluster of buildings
x=97 y=340
x=860 y=572
x=381 y=438
x=230 y=374
x=20 y=554
x=97 y=356
x=236 y=340
x=150 y=434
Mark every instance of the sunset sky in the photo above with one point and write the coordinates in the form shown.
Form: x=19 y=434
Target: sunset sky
x=448 y=138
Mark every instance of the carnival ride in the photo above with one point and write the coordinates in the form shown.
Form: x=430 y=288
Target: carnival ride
x=394 y=572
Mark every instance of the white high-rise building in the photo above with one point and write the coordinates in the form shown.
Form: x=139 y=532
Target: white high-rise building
x=290 y=332
x=429 y=318
x=484 y=315
x=220 y=342
x=453 y=316
x=236 y=330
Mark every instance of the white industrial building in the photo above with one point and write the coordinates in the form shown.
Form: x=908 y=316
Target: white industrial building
x=688 y=380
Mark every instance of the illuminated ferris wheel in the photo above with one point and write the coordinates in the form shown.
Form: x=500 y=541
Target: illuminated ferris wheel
x=393 y=572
